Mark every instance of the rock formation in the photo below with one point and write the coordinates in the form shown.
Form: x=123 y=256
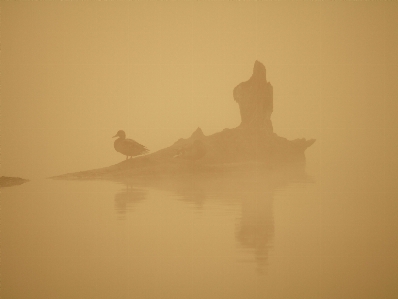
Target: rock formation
x=255 y=99
x=11 y=181
x=251 y=143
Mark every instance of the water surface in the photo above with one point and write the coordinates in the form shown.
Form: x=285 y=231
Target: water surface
x=250 y=235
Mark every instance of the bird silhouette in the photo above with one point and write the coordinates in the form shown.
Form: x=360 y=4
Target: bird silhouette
x=128 y=147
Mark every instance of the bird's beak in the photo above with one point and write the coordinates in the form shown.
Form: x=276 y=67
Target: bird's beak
x=114 y=136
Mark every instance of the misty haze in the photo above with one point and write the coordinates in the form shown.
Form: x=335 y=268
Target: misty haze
x=199 y=149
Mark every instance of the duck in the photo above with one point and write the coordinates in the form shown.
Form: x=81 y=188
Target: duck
x=128 y=147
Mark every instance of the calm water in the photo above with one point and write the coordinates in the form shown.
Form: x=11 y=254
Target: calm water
x=229 y=236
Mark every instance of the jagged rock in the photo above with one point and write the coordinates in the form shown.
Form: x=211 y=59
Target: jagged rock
x=194 y=151
x=255 y=99
x=251 y=143
x=11 y=181
x=198 y=134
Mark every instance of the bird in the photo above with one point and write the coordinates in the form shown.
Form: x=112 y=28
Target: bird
x=128 y=147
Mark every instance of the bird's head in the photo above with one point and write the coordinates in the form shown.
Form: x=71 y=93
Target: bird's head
x=120 y=134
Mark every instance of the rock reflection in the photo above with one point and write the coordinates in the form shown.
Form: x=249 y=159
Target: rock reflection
x=127 y=198
x=255 y=229
x=196 y=196
x=191 y=191
x=252 y=191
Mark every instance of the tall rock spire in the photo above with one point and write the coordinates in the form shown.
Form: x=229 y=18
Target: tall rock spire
x=255 y=99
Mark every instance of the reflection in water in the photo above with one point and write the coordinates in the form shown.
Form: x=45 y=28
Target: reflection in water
x=252 y=190
x=255 y=229
x=192 y=193
x=127 y=198
x=196 y=197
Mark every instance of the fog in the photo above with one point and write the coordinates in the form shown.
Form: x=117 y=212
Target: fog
x=74 y=73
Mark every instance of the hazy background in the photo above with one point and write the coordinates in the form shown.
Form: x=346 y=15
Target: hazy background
x=73 y=73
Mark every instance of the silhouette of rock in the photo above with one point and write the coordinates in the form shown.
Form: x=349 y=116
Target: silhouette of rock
x=198 y=134
x=251 y=143
x=10 y=181
x=194 y=151
x=255 y=99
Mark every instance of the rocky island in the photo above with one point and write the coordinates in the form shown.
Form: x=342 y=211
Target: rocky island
x=11 y=181
x=252 y=143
